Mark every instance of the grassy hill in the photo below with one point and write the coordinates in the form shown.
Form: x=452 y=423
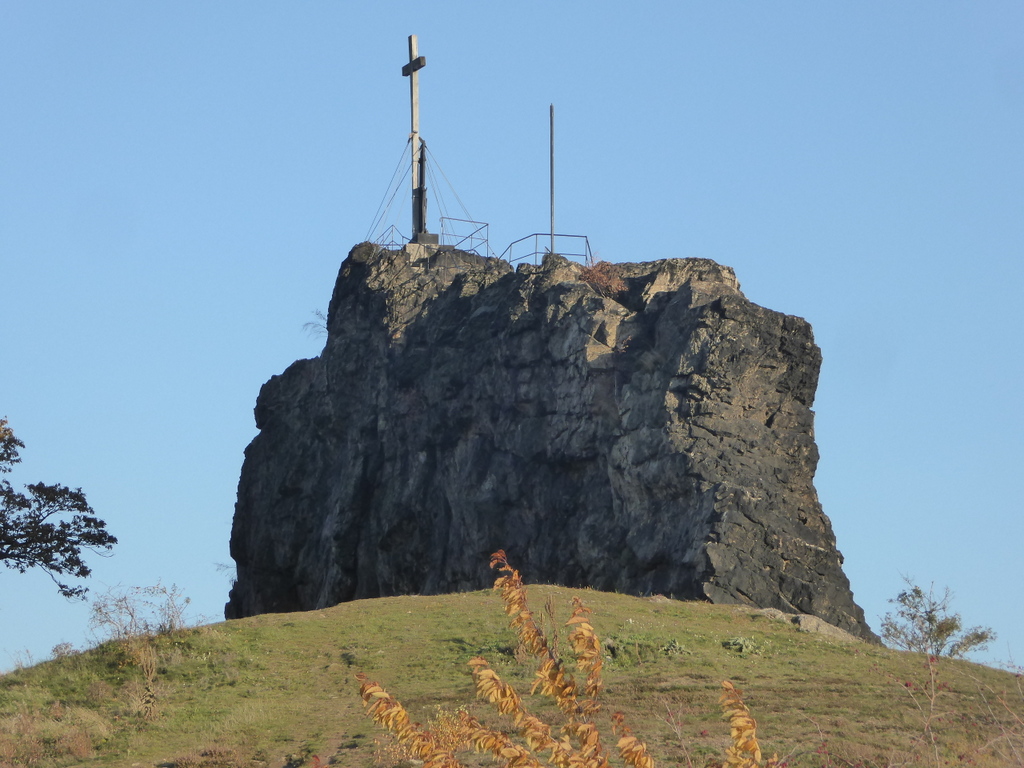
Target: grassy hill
x=275 y=690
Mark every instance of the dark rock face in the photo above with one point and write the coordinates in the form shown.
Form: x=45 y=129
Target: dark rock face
x=657 y=441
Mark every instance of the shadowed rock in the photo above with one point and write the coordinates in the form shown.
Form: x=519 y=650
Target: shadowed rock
x=657 y=440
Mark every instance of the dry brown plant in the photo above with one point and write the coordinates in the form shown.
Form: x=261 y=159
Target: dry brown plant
x=578 y=745
x=604 y=277
x=388 y=712
x=142 y=696
x=449 y=731
x=745 y=752
x=50 y=737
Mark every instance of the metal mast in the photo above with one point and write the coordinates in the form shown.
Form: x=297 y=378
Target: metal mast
x=552 y=178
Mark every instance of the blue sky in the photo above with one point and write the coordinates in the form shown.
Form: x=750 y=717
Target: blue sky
x=179 y=183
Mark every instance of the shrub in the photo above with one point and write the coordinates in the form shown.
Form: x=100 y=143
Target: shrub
x=123 y=613
x=923 y=622
x=62 y=650
x=604 y=277
x=51 y=736
x=131 y=617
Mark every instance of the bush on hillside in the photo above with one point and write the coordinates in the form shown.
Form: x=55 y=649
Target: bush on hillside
x=924 y=623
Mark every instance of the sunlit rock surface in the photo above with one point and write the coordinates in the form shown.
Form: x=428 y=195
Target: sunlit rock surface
x=658 y=439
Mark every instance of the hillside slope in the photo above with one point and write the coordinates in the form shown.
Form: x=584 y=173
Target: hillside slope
x=274 y=690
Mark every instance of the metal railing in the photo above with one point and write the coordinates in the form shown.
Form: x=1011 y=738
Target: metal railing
x=578 y=242
x=465 y=235
x=391 y=239
x=472 y=236
x=456 y=234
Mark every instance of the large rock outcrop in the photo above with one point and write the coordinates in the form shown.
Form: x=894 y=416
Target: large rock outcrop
x=658 y=439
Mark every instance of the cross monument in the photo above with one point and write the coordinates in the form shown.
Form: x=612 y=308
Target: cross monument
x=419 y=186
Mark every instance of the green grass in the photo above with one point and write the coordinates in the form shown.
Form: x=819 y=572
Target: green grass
x=274 y=690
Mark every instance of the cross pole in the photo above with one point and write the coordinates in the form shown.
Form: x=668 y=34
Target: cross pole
x=419 y=189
